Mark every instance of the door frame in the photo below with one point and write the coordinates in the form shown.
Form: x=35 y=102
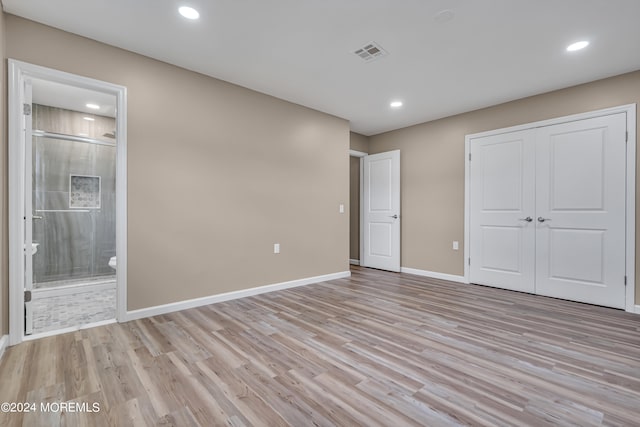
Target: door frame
x=19 y=72
x=630 y=224
x=360 y=155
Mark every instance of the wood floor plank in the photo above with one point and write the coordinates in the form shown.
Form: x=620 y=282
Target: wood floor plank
x=377 y=348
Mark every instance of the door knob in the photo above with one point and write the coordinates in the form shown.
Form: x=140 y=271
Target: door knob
x=540 y=219
x=394 y=216
x=528 y=219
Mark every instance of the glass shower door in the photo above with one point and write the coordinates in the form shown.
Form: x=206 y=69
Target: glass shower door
x=73 y=232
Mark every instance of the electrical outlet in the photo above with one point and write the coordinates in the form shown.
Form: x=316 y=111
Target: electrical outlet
x=455 y=245
x=276 y=248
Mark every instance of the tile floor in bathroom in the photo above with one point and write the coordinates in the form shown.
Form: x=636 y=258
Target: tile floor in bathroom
x=75 y=309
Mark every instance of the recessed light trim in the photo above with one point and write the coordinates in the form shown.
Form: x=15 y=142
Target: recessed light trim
x=395 y=104
x=577 y=46
x=89 y=119
x=93 y=106
x=189 y=12
x=444 y=16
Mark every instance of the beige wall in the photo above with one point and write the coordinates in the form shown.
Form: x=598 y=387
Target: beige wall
x=4 y=259
x=217 y=174
x=432 y=158
x=358 y=142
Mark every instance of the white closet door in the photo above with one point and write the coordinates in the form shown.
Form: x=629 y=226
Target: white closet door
x=580 y=210
x=502 y=247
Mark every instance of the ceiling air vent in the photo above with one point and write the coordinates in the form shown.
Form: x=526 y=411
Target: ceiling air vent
x=371 y=51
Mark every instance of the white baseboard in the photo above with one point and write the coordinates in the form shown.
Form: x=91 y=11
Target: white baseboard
x=638 y=309
x=4 y=342
x=354 y=261
x=212 y=299
x=433 y=274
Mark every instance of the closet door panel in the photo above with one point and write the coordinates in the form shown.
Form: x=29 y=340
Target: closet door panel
x=580 y=210
x=502 y=208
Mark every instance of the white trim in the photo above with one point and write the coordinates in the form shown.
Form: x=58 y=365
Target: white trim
x=355 y=153
x=361 y=231
x=354 y=261
x=18 y=73
x=227 y=296
x=637 y=309
x=16 y=198
x=630 y=297
x=630 y=110
x=4 y=343
x=121 y=204
x=69 y=329
x=433 y=274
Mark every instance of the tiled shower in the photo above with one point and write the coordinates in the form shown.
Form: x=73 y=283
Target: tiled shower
x=74 y=227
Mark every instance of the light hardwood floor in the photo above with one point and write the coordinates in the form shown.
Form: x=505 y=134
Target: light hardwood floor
x=378 y=349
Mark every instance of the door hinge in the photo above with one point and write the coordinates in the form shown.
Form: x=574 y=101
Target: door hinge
x=26 y=109
x=27 y=296
x=626 y=136
x=469 y=156
x=469 y=260
x=625 y=280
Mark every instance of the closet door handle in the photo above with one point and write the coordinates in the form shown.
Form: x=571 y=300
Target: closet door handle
x=528 y=219
x=540 y=219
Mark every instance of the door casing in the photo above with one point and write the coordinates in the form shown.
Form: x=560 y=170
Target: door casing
x=19 y=72
x=630 y=111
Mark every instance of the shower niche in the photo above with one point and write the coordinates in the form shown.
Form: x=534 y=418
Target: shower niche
x=84 y=192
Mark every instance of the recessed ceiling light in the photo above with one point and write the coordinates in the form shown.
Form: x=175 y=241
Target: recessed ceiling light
x=444 y=16
x=396 y=104
x=189 y=12
x=577 y=46
x=89 y=118
x=93 y=106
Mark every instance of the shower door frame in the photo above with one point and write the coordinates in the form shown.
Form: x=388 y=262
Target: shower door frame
x=20 y=73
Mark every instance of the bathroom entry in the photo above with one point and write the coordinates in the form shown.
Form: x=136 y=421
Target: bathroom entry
x=73 y=176
x=68 y=148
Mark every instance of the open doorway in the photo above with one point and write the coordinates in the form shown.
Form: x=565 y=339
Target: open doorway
x=355 y=204
x=67 y=202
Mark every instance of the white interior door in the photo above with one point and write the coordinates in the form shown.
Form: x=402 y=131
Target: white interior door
x=381 y=211
x=502 y=246
x=580 y=212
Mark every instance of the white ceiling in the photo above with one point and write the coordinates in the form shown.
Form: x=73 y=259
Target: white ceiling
x=492 y=51
x=72 y=98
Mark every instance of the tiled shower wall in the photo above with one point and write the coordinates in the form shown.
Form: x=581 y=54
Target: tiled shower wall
x=74 y=243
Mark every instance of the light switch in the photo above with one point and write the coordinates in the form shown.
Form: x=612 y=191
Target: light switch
x=455 y=245
x=341 y=208
x=276 y=248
